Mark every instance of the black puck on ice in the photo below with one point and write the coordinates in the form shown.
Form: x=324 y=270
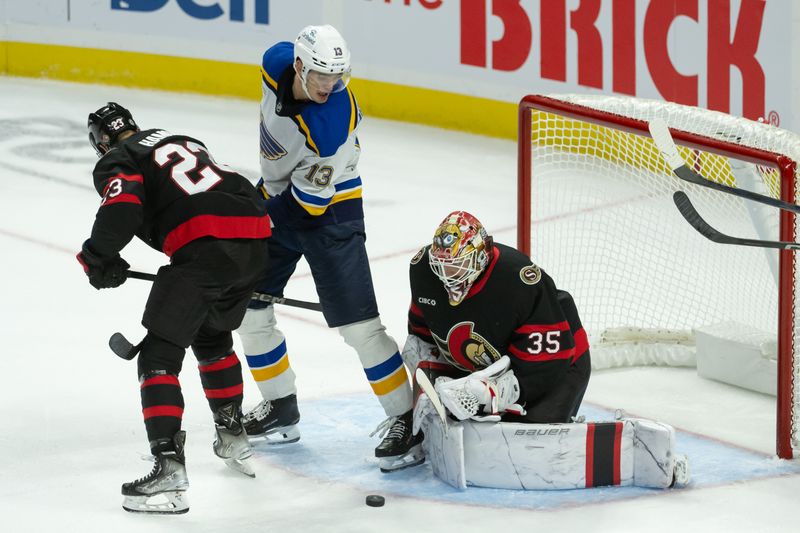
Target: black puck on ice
x=374 y=500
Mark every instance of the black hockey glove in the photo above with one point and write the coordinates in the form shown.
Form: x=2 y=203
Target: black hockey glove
x=103 y=272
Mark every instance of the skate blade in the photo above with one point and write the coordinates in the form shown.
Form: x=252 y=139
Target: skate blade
x=241 y=466
x=414 y=457
x=173 y=502
x=278 y=436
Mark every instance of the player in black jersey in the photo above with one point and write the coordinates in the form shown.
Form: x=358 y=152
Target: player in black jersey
x=475 y=301
x=168 y=191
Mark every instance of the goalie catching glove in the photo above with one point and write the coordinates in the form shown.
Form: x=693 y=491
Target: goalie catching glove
x=482 y=395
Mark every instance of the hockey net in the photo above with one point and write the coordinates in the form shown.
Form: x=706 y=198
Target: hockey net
x=595 y=210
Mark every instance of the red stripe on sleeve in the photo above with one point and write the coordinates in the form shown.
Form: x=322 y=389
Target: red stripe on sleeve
x=589 y=455
x=421 y=330
x=161 y=380
x=433 y=365
x=256 y=227
x=227 y=362
x=414 y=310
x=581 y=344
x=227 y=392
x=617 y=452
x=526 y=329
x=162 y=410
x=138 y=178
x=123 y=199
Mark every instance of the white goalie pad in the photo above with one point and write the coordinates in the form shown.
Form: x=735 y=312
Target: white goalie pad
x=554 y=456
x=416 y=350
x=444 y=450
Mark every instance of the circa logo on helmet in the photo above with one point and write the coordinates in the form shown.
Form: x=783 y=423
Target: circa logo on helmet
x=466 y=349
x=530 y=275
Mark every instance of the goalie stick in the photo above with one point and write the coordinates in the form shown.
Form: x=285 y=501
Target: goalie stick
x=260 y=296
x=669 y=151
x=427 y=387
x=687 y=209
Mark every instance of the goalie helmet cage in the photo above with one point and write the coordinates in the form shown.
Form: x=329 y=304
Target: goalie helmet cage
x=595 y=210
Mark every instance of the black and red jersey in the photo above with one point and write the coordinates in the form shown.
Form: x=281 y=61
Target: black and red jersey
x=167 y=190
x=512 y=309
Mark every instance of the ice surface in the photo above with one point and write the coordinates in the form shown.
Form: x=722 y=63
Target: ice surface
x=72 y=429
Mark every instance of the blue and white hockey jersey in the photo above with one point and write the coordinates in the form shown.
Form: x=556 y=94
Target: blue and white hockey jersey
x=309 y=161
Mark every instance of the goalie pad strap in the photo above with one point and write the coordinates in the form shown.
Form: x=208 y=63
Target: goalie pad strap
x=603 y=440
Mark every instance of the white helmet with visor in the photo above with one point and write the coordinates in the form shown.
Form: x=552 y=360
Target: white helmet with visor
x=325 y=57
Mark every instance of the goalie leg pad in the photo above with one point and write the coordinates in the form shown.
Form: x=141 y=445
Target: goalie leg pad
x=554 y=456
x=416 y=350
x=655 y=462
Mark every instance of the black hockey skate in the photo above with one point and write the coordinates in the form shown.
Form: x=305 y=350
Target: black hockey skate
x=274 y=420
x=399 y=448
x=162 y=491
x=231 y=443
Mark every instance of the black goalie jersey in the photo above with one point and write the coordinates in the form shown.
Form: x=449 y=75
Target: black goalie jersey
x=514 y=309
x=167 y=190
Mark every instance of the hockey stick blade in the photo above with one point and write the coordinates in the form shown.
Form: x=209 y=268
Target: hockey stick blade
x=427 y=387
x=669 y=151
x=122 y=347
x=260 y=296
x=688 y=211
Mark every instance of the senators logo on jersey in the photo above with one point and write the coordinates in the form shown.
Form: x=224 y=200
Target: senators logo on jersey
x=465 y=349
x=530 y=275
x=418 y=256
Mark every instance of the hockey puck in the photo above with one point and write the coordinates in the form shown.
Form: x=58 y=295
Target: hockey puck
x=374 y=500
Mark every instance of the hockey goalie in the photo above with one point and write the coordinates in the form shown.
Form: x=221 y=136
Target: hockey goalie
x=510 y=362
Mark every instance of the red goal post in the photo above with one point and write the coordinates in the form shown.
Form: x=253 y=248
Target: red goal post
x=562 y=136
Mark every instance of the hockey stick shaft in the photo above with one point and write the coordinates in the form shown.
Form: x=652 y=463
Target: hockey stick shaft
x=427 y=387
x=146 y=276
x=260 y=296
x=669 y=151
x=688 y=211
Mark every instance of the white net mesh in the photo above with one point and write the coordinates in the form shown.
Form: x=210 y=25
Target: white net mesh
x=604 y=225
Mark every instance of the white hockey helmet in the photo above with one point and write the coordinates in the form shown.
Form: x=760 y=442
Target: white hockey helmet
x=323 y=50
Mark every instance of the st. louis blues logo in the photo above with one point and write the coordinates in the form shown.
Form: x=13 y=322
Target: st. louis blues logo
x=270 y=148
x=465 y=349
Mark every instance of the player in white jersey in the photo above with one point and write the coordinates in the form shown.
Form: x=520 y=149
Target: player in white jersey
x=310 y=179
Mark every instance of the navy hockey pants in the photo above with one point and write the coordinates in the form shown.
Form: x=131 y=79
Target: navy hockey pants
x=339 y=265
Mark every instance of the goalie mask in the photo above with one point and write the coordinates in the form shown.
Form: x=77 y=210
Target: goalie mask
x=106 y=124
x=459 y=253
x=326 y=61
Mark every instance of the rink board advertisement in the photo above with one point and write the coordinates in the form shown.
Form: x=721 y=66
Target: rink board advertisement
x=457 y=63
